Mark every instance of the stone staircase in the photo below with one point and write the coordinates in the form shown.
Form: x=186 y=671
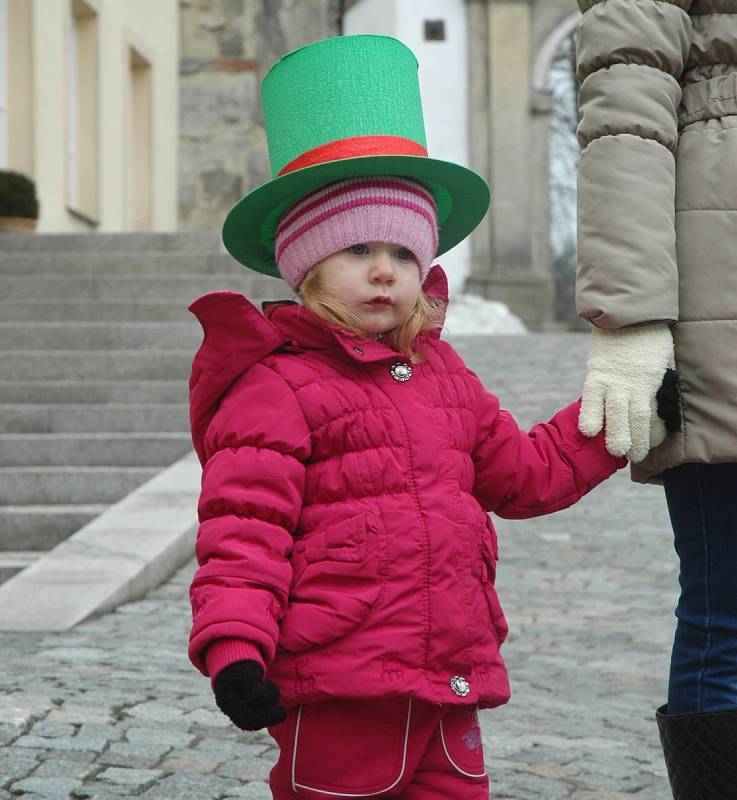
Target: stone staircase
x=95 y=348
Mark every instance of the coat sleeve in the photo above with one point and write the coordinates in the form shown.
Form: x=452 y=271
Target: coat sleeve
x=630 y=56
x=521 y=474
x=252 y=488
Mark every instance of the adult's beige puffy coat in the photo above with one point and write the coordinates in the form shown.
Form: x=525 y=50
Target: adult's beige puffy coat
x=657 y=198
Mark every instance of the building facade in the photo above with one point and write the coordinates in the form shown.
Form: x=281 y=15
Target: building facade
x=142 y=115
x=88 y=109
x=226 y=47
x=483 y=68
x=511 y=47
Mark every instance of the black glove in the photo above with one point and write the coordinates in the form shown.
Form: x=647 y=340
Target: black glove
x=668 y=398
x=243 y=695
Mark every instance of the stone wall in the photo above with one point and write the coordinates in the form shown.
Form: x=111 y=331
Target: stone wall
x=509 y=128
x=226 y=47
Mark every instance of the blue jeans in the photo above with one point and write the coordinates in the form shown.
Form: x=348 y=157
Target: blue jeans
x=702 y=501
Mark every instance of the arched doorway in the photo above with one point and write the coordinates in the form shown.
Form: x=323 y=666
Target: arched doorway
x=554 y=78
x=512 y=46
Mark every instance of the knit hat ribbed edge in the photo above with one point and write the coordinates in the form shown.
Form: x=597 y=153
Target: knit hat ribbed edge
x=387 y=209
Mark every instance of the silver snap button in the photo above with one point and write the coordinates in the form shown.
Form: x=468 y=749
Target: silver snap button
x=401 y=371
x=459 y=686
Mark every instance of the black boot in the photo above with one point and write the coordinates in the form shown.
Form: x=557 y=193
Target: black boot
x=700 y=753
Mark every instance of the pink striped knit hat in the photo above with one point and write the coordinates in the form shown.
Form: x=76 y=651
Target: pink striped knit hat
x=372 y=209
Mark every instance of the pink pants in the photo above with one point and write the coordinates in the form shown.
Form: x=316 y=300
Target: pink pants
x=399 y=748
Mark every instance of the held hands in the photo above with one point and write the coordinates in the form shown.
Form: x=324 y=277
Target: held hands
x=669 y=401
x=243 y=695
x=626 y=371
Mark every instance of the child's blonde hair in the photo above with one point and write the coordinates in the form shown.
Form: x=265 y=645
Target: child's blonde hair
x=427 y=313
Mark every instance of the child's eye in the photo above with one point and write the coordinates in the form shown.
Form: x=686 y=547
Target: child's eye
x=404 y=255
x=359 y=249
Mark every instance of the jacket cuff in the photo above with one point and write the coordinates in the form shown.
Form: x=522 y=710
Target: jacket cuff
x=598 y=443
x=224 y=652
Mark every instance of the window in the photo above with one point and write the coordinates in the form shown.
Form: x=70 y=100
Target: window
x=82 y=112
x=139 y=145
x=16 y=86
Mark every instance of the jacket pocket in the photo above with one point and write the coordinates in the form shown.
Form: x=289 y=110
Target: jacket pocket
x=336 y=584
x=460 y=735
x=353 y=748
x=489 y=555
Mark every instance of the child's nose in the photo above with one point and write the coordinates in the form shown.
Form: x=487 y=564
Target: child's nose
x=383 y=267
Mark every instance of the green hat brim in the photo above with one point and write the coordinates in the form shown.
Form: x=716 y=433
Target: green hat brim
x=462 y=198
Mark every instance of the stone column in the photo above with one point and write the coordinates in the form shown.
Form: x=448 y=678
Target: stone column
x=513 y=263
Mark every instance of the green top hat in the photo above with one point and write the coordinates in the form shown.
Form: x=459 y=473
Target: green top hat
x=340 y=108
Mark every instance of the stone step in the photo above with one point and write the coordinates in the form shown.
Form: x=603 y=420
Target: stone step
x=43 y=527
x=82 y=485
x=95 y=242
x=181 y=288
x=97 y=311
x=95 y=418
x=92 y=365
x=133 y=546
x=100 y=335
x=120 y=310
x=92 y=449
x=13 y=561
x=98 y=262
x=75 y=392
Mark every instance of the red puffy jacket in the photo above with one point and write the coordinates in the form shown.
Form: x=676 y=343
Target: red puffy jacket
x=344 y=540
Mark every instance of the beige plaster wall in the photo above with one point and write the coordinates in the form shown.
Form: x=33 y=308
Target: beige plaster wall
x=18 y=85
x=151 y=28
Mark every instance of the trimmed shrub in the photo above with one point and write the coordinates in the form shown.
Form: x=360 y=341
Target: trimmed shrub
x=17 y=196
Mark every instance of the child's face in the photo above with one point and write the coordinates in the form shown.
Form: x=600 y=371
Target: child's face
x=379 y=283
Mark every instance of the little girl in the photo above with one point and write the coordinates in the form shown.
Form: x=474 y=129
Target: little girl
x=345 y=595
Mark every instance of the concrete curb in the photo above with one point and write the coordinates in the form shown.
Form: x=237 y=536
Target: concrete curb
x=129 y=549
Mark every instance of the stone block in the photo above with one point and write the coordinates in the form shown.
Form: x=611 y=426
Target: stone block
x=208 y=719
x=133 y=779
x=191 y=761
x=143 y=737
x=86 y=743
x=251 y=791
x=17 y=763
x=46 y=787
x=136 y=757
x=154 y=711
x=52 y=730
x=189 y=786
x=64 y=767
x=230 y=750
x=20 y=709
x=248 y=769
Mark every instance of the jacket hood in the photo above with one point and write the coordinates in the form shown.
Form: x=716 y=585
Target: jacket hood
x=237 y=335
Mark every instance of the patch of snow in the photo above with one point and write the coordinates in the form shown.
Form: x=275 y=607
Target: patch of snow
x=471 y=315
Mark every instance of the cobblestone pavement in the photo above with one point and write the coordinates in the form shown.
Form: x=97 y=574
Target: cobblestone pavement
x=113 y=709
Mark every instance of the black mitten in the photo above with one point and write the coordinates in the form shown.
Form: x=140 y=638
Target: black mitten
x=243 y=695
x=668 y=398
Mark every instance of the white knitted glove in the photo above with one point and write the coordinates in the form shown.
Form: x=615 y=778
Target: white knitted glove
x=625 y=370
